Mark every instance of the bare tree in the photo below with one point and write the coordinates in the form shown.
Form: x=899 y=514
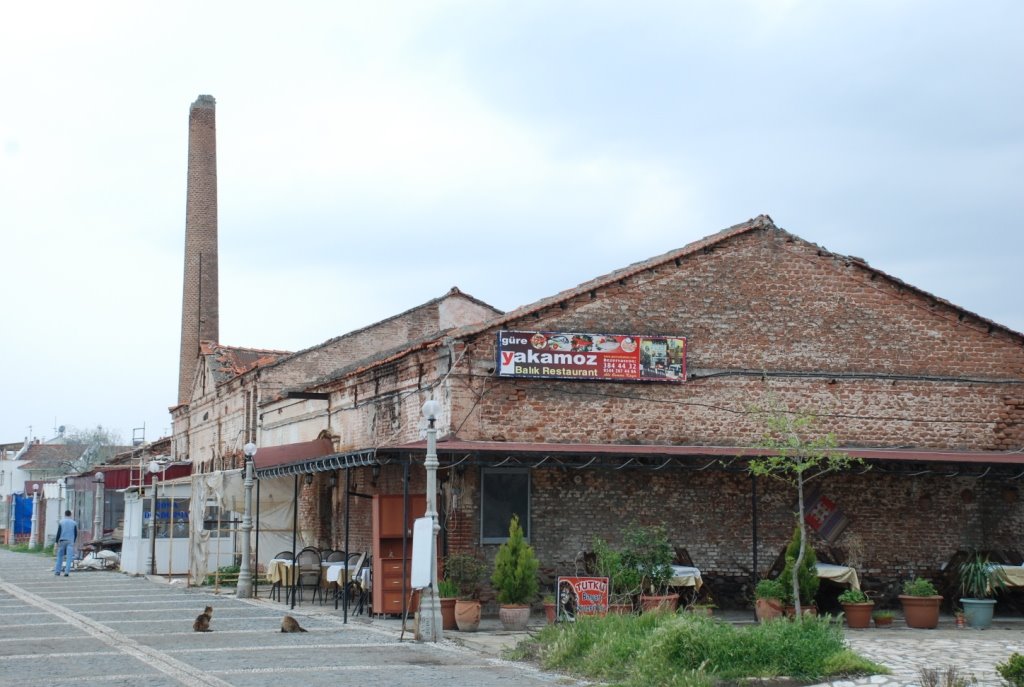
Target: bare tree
x=799 y=455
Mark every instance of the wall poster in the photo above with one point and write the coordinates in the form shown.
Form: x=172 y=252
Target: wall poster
x=603 y=357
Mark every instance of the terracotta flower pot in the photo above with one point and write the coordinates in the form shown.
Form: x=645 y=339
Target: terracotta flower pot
x=884 y=621
x=620 y=609
x=661 y=602
x=467 y=614
x=805 y=609
x=921 y=612
x=448 y=613
x=549 y=612
x=514 y=617
x=858 y=616
x=767 y=609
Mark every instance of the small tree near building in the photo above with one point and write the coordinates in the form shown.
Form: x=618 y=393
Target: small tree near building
x=798 y=455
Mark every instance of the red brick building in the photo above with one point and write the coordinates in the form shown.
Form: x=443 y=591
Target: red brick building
x=931 y=396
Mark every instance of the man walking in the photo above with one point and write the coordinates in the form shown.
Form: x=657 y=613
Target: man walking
x=67 y=534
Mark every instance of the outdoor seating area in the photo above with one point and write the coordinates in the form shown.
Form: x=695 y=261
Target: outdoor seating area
x=332 y=573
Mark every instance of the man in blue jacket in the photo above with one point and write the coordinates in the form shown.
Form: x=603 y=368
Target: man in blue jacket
x=67 y=534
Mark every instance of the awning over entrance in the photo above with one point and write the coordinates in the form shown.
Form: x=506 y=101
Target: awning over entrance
x=307 y=457
x=319 y=456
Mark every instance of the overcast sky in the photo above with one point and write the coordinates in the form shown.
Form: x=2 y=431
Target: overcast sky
x=371 y=155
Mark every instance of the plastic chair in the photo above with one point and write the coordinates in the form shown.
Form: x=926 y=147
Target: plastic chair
x=308 y=571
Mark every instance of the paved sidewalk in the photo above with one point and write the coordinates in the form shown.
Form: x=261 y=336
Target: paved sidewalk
x=106 y=604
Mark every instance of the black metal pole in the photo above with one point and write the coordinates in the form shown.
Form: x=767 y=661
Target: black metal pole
x=753 y=520
x=405 y=548
x=295 y=531
x=348 y=512
x=256 y=572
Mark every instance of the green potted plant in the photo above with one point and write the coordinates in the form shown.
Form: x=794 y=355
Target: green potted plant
x=466 y=571
x=649 y=552
x=769 y=599
x=704 y=605
x=447 y=592
x=549 y=608
x=515 y=578
x=857 y=608
x=623 y=581
x=800 y=578
x=883 y=618
x=921 y=603
x=979 y=579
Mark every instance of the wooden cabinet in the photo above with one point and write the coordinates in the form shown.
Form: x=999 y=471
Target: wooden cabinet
x=391 y=560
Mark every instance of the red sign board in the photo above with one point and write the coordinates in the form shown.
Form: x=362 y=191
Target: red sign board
x=603 y=357
x=581 y=596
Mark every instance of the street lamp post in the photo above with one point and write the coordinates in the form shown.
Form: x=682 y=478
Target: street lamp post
x=33 y=537
x=97 y=518
x=431 y=613
x=244 y=588
x=154 y=468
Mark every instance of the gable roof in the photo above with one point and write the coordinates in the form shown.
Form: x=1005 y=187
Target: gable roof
x=227 y=362
x=759 y=223
x=50 y=456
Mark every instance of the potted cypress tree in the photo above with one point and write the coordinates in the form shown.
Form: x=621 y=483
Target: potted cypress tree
x=515 y=578
x=979 y=580
x=801 y=577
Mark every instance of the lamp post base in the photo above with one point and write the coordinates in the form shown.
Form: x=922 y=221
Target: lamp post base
x=431 y=624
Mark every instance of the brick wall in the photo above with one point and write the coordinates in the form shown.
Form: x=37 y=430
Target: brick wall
x=766 y=317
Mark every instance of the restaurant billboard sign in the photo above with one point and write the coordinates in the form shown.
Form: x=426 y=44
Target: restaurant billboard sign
x=602 y=357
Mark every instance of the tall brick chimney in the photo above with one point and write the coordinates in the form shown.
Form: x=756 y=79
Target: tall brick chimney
x=199 y=309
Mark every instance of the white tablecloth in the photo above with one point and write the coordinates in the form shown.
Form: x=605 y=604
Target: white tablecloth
x=839 y=573
x=685 y=576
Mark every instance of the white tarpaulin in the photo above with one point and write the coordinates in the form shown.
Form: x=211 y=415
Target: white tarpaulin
x=225 y=490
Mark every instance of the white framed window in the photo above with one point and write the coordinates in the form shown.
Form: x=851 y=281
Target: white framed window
x=504 y=492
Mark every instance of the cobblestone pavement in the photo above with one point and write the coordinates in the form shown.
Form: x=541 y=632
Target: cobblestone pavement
x=100 y=627
x=106 y=628
x=905 y=651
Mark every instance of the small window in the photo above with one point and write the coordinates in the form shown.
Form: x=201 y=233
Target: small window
x=503 y=492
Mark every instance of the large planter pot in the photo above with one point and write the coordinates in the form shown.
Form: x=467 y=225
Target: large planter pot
x=978 y=612
x=514 y=617
x=805 y=609
x=467 y=614
x=620 y=608
x=549 y=612
x=858 y=616
x=921 y=612
x=448 y=613
x=767 y=609
x=660 y=602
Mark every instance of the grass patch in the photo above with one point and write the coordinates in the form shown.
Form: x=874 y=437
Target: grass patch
x=690 y=650
x=24 y=548
x=226 y=576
